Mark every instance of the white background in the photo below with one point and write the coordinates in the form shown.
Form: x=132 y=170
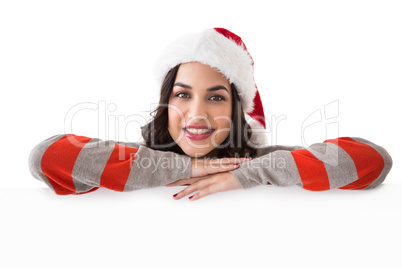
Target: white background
x=54 y=55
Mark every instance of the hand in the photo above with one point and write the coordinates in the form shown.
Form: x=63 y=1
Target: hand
x=203 y=167
x=207 y=185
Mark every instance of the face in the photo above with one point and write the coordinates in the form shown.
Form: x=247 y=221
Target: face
x=200 y=109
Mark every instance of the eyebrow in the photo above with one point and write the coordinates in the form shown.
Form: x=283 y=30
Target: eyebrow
x=215 y=88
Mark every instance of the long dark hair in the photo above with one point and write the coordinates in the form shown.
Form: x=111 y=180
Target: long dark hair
x=157 y=136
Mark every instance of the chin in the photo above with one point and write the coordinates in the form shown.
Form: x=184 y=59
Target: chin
x=196 y=153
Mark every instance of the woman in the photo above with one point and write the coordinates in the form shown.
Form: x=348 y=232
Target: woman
x=199 y=136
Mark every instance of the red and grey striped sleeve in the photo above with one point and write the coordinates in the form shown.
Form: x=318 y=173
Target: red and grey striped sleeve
x=344 y=163
x=71 y=164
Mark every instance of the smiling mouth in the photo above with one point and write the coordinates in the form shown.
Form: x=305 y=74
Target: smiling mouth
x=198 y=131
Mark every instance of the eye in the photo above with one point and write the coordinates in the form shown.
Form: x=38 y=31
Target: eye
x=217 y=98
x=182 y=95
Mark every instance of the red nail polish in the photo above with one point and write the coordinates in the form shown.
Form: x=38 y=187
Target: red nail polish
x=190 y=197
x=175 y=195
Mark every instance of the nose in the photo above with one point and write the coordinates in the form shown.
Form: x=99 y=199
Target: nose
x=198 y=110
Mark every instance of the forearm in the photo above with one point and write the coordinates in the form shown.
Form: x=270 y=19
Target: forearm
x=340 y=163
x=71 y=164
x=277 y=168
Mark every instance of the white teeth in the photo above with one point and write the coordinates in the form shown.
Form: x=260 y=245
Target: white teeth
x=198 y=131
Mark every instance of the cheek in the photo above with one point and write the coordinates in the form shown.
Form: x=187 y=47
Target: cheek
x=175 y=117
x=223 y=117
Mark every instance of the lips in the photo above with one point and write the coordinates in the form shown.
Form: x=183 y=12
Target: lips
x=195 y=132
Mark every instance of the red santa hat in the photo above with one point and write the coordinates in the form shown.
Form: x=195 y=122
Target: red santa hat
x=226 y=52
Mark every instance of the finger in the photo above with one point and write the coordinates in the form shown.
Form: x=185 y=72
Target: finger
x=217 y=186
x=173 y=183
x=210 y=189
x=221 y=168
x=184 y=182
x=170 y=185
x=225 y=164
x=178 y=183
x=192 y=188
x=201 y=194
x=226 y=161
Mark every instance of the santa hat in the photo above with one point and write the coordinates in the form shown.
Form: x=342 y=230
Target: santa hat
x=226 y=52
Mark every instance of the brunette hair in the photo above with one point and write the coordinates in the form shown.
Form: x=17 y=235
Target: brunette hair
x=157 y=136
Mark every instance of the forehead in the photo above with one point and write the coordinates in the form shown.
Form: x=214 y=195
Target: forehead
x=202 y=74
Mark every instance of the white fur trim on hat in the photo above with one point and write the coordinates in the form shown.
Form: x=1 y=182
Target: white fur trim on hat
x=259 y=136
x=214 y=49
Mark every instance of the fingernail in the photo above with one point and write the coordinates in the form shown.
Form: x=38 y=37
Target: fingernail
x=175 y=195
x=235 y=165
x=190 y=197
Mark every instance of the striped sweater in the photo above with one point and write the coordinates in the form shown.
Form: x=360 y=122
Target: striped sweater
x=71 y=164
